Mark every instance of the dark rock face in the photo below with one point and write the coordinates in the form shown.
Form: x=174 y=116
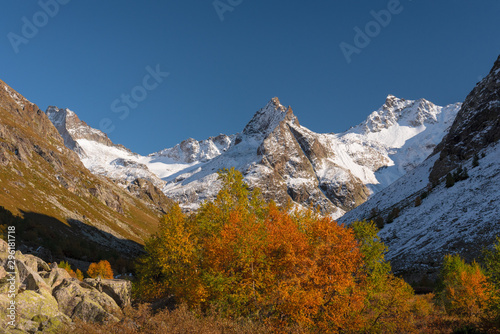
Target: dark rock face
x=346 y=195
x=476 y=126
x=291 y=158
x=282 y=154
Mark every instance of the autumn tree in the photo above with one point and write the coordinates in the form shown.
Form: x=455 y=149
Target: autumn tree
x=464 y=289
x=387 y=303
x=246 y=257
x=79 y=274
x=102 y=269
x=170 y=265
x=491 y=260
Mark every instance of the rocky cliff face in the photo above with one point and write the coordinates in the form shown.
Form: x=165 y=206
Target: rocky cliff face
x=270 y=156
x=336 y=172
x=476 y=126
x=71 y=128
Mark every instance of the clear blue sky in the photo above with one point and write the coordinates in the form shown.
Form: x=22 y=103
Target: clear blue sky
x=220 y=72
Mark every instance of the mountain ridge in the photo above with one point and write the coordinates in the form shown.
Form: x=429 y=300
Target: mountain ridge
x=289 y=162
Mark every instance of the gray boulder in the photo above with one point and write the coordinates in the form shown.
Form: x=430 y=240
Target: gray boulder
x=38 y=307
x=80 y=300
x=56 y=276
x=30 y=278
x=118 y=289
x=35 y=263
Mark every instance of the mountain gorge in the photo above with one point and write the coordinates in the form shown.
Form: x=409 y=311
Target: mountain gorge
x=392 y=168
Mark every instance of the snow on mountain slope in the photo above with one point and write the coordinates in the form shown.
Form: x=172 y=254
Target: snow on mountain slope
x=102 y=157
x=191 y=150
x=288 y=161
x=461 y=219
x=435 y=219
x=400 y=135
x=282 y=157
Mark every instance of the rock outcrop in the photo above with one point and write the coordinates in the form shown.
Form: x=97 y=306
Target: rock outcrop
x=476 y=126
x=47 y=298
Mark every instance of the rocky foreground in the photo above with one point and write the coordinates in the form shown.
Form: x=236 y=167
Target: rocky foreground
x=46 y=297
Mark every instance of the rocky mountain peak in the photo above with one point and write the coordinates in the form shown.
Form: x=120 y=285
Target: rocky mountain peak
x=392 y=101
x=192 y=150
x=412 y=113
x=268 y=118
x=18 y=98
x=69 y=125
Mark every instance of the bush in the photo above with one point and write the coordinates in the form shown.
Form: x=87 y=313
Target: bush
x=475 y=160
x=379 y=221
x=450 y=180
x=393 y=215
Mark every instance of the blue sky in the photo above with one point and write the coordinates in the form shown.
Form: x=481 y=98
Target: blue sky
x=90 y=55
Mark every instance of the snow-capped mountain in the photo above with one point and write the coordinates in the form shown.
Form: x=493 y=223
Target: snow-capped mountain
x=436 y=217
x=191 y=150
x=336 y=172
x=97 y=152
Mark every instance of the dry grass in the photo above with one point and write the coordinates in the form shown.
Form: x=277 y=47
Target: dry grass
x=181 y=320
x=428 y=318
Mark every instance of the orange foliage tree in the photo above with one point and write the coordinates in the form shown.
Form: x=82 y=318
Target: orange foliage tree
x=245 y=257
x=102 y=269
